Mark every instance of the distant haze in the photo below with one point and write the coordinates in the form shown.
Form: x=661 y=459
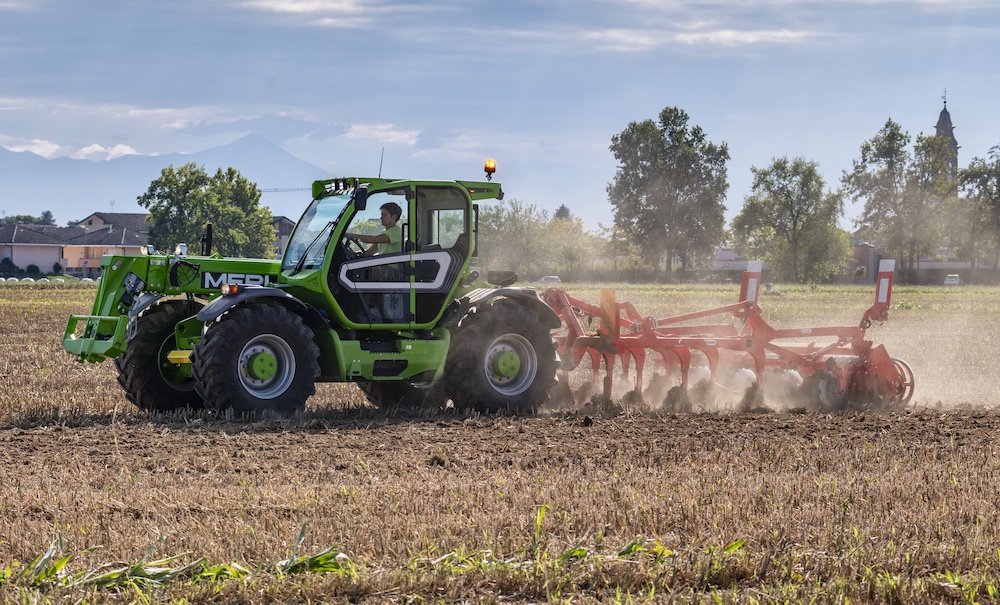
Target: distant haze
x=69 y=187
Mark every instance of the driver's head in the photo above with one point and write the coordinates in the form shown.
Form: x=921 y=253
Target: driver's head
x=390 y=213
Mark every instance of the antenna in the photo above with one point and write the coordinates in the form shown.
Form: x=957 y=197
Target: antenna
x=381 y=157
x=944 y=97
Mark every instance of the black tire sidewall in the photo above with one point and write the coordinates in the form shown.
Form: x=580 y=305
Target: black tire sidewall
x=139 y=367
x=465 y=380
x=217 y=367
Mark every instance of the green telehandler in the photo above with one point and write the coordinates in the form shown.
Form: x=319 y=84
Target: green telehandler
x=415 y=328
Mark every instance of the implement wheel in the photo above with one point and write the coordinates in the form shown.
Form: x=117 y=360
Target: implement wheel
x=257 y=358
x=150 y=381
x=502 y=357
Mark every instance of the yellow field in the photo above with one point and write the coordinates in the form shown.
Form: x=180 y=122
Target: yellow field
x=898 y=508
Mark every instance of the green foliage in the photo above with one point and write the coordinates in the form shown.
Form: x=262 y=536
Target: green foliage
x=32 y=269
x=46 y=218
x=183 y=200
x=8 y=266
x=791 y=222
x=981 y=182
x=906 y=195
x=519 y=237
x=57 y=269
x=669 y=191
x=512 y=236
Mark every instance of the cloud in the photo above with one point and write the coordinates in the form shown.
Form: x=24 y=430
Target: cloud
x=336 y=13
x=385 y=133
x=98 y=152
x=46 y=149
x=728 y=37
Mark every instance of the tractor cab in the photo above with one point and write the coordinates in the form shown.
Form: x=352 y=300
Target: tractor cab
x=406 y=285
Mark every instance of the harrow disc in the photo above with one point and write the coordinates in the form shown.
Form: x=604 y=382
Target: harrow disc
x=905 y=388
x=895 y=392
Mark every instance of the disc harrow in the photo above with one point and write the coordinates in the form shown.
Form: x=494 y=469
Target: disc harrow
x=820 y=368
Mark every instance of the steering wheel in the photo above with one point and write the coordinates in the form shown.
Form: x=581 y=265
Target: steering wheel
x=353 y=248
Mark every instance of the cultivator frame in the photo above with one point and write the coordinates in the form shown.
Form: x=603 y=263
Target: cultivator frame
x=847 y=370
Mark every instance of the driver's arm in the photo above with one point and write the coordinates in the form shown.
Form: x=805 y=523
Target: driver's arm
x=370 y=239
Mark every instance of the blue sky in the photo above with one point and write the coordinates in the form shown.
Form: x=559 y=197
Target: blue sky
x=540 y=86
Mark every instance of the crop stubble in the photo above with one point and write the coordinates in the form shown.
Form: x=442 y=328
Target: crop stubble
x=823 y=502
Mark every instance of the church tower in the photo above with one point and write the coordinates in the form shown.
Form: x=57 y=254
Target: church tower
x=945 y=129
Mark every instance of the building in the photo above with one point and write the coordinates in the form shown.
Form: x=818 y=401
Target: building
x=283 y=227
x=26 y=245
x=78 y=249
x=103 y=233
x=944 y=128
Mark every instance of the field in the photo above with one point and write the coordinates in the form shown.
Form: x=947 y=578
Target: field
x=104 y=504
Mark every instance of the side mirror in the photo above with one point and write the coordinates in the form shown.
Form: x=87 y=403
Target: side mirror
x=360 y=197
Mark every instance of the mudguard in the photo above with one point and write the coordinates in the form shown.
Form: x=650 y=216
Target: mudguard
x=527 y=297
x=220 y=305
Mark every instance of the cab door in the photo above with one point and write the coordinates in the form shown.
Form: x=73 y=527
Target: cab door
x=441 y=226
x=375 y=290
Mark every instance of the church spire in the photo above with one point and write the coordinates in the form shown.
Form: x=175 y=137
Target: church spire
x=944 y=128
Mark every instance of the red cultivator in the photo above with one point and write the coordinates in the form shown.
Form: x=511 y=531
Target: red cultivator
x=847 y=371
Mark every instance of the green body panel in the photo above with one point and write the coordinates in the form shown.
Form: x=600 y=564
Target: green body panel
x=349 y=349
x=102 y=334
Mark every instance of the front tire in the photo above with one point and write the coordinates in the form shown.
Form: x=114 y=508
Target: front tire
x=150 y=381
x=257 y=358
x=502 y=357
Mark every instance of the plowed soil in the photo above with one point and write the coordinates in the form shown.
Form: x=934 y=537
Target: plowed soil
x=815 y=497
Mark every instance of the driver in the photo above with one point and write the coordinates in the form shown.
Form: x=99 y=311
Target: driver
x=391 y=239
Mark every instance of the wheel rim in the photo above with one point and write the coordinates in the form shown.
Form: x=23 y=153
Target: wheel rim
x=267 y=366
x=169 y=372
x=510 y=364
x=905 y=388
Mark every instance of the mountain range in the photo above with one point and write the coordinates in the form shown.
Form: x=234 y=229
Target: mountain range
x=72 y=188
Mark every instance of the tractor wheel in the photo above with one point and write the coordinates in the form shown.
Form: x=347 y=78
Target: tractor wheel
x=258 y=358
x=404 y=395
x=501 y=357
x=149 y=380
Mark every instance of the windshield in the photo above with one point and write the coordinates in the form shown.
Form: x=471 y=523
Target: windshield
x=312 y=231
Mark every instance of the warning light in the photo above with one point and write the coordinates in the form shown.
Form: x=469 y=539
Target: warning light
x=490 y=168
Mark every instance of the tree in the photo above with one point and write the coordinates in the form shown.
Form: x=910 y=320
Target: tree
x=184 y=199
x=512 y=236
x=562 y=212
x=569 y=246
x=668 y=193
x=791 y=222
x=981 y=181
x=904 y=195
x=26 y=219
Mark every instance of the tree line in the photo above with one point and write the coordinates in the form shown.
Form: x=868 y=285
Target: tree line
x=668 y=196
x=668 y=202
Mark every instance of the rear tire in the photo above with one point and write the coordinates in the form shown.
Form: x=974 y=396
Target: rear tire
x=502 y=357
x=257 y=358
x=150 y=381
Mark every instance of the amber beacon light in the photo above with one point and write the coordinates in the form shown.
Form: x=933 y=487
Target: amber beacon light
x=490 y=167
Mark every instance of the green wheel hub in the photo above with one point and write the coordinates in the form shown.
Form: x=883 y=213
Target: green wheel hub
x=507 y=364
x=262 y=366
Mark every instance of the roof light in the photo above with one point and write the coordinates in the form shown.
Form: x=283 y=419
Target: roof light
x=490 y=167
